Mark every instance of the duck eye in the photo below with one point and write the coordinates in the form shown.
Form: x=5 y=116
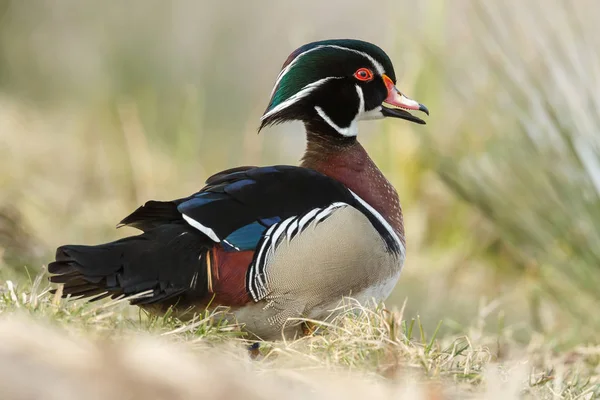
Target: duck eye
x=363 y=74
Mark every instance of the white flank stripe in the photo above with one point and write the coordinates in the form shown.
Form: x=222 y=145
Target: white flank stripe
x=253 y=272
x=302 y=93
x=255 y=266
x=269 y=243
x=329 y=210
x=270 y=230
x=383 y=221
x=265 y=242
x=307 y=217
x=280 y=229
x=204 y=229
x=259 y=256
x=290 y=231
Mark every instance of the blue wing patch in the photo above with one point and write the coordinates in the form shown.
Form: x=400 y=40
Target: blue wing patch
x=248 y=236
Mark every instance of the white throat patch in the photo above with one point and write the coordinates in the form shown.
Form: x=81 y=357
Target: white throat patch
x=352 y=129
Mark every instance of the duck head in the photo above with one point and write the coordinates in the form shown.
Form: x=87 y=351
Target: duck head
x=336 y=83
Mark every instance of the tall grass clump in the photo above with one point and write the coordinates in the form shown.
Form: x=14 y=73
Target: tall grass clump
x=523 y=145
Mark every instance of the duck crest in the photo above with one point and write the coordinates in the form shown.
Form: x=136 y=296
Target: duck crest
x=347 y=161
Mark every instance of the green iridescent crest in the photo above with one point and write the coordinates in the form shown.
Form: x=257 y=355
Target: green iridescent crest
x=316 y=62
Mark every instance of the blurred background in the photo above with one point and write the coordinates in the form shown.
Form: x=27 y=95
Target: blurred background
x=104 y=105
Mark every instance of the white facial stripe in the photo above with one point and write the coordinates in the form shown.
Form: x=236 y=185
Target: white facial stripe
x=378 y=67
x=204 y=229
x=305 y=91
x=376 y=64
x=289 y=66
x=361 y=101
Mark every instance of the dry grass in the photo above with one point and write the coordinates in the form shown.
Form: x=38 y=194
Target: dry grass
x=56 y=349
x=525 y=148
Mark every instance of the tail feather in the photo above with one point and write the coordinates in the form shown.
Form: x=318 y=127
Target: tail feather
x=66 y=277
x=152 y=214
x=164 y=260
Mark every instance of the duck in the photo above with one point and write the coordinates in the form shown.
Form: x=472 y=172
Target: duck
x=273 y=244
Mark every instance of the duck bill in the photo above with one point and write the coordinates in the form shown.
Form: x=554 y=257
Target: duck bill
x=396 y=104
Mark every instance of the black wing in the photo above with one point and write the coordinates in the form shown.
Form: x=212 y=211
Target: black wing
x=236 y=198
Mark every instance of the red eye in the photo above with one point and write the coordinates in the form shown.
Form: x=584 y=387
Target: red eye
x=363 y=74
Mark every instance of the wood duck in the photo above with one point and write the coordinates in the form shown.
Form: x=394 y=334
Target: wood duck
x=274 y=242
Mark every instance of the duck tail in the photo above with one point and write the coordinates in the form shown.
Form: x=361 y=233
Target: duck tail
x=162 y=261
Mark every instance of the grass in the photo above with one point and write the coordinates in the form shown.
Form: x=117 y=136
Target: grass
x=526 y=151
x=362 y=350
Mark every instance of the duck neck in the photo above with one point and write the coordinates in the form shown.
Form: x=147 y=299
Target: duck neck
x=344 y=159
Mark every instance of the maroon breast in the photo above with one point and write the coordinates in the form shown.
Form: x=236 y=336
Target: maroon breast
x=352 y=166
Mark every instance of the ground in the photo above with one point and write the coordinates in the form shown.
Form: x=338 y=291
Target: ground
x=57 y=349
